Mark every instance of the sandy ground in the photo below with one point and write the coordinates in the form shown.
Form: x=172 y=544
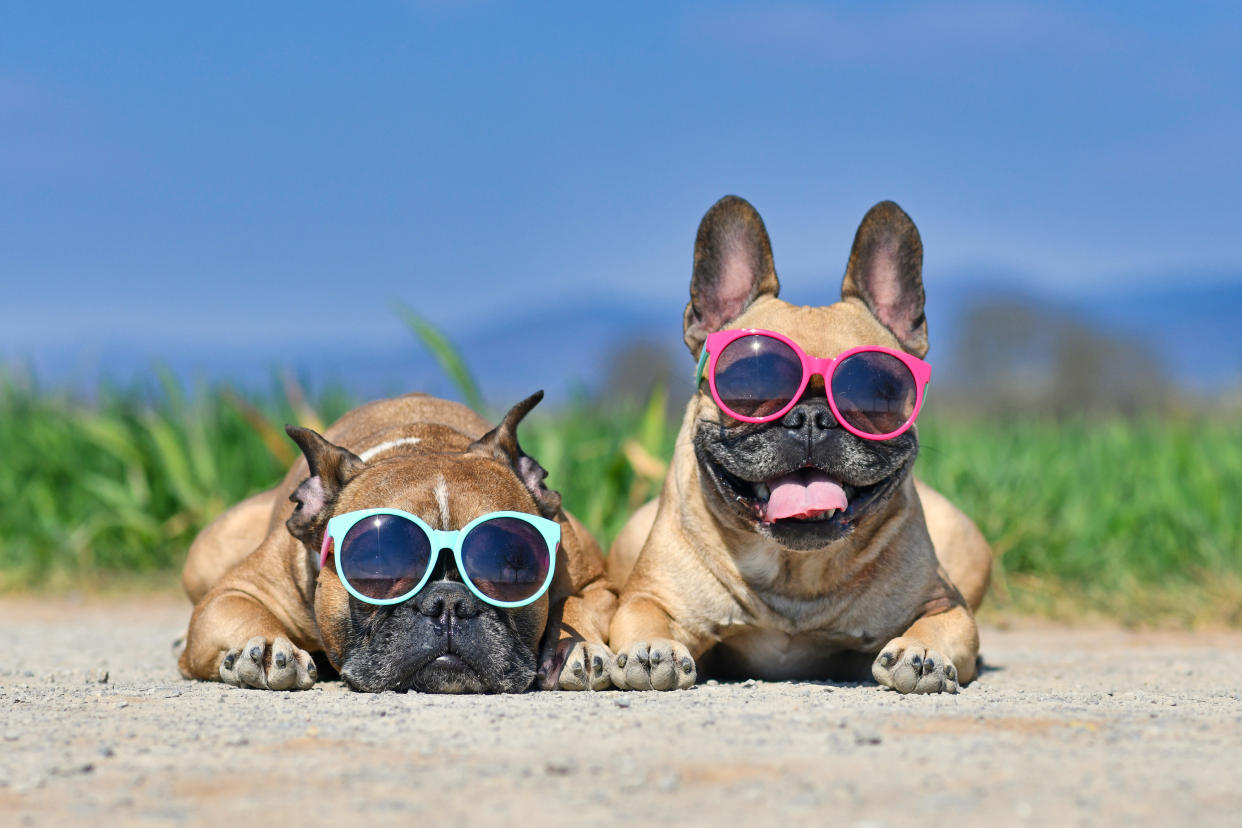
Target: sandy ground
x=1094 y=727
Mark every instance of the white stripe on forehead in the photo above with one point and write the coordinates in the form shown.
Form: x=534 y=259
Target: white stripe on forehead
x=383 y=447
x=441 y=492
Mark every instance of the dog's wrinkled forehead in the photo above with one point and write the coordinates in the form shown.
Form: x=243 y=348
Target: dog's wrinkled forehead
x=445 y=490
x=820 y=331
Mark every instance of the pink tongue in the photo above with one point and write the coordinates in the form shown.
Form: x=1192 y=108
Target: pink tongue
x=800 y=494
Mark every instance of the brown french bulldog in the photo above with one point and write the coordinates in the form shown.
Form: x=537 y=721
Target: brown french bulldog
x=795 y=548
x=263 y=605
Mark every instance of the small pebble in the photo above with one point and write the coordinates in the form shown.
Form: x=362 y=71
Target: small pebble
x=668 y=783
x=621 y=701
x=99 y=675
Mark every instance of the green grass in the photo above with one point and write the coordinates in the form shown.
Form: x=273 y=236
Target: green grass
x=1137 y=520
x=1131 y=518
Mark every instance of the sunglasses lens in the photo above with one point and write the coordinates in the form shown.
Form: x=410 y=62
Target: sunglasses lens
x=385 y=556
x=756 y=376
x=874 y=391
x=506 y=559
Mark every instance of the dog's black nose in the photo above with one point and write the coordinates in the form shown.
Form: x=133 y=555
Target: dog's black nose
x=447 y=601
x=795 y=419
x=824 y=419
x=809 y=415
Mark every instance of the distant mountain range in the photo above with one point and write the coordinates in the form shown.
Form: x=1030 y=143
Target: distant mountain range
x=1193 y=330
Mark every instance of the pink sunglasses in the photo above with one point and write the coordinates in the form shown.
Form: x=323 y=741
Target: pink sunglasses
x=758 y=376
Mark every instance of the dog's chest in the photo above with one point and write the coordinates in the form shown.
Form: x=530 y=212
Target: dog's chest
x=807 y=634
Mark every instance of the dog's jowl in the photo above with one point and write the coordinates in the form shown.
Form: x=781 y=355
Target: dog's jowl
x=791 y=539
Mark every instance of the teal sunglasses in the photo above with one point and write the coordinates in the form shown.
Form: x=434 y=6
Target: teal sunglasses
x=385 y=556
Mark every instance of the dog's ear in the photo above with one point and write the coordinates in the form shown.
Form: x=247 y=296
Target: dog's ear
x=502 y=444
x=732 y=268
x=886 y=273
x=331 y=467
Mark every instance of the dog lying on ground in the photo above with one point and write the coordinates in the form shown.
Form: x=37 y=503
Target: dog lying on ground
x=358 y=554
x=790 y=539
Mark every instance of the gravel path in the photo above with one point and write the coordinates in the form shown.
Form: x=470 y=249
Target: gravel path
x=1064 y=727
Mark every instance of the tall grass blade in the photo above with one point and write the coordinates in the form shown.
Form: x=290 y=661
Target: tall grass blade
x=448 y=357
x=296 y=397
x=274 y=439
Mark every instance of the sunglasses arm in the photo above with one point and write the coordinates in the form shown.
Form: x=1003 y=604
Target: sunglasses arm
x=698 y=376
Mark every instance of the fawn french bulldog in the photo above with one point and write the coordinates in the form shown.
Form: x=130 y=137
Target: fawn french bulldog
x=790 y=539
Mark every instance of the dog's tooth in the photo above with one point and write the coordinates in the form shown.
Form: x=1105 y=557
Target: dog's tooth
x=762 y=491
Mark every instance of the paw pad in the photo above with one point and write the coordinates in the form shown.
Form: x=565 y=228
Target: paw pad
x=908 y=666
x=586 y=667
x=277 y=665
x=661 y=664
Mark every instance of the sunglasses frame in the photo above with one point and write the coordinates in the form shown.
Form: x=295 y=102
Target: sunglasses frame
x=339 y=526
x=716 y=343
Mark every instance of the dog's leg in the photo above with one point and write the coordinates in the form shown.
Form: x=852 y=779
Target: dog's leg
x=225 y=542
x=235 y=639
x=574 y=655
x=629 y=543
x=648 y=656
x=960 y=546
x=935 y=655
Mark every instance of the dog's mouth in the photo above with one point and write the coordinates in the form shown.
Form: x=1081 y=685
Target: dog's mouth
x=442 y=669
x=448 y=672
x=803 y=497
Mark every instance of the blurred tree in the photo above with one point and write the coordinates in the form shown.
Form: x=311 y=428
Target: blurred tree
x=639 y=366
x=1013 y=357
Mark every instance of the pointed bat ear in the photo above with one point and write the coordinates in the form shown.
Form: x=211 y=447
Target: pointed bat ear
x=501 y=443
x=331 y=468
x=732 y=268
x=886 y=273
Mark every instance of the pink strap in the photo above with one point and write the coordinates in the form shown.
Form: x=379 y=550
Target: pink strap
x=323 y=551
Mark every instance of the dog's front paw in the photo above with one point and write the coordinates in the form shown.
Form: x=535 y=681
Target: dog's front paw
x=660 y=664
x=586 y=668
x=268 y=666
x=907 y=666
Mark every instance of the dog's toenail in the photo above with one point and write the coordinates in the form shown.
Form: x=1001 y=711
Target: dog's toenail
x=256 y=653
x=686 y=665
x=578 y=670
x=621 y=659
x=916 y=662
x=886 y=660
x=280 y=660
x=656 y=657
x=597 y=664
x=929 y=666
x=228 y=661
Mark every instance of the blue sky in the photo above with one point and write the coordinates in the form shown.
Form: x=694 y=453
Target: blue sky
x=272 y=175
